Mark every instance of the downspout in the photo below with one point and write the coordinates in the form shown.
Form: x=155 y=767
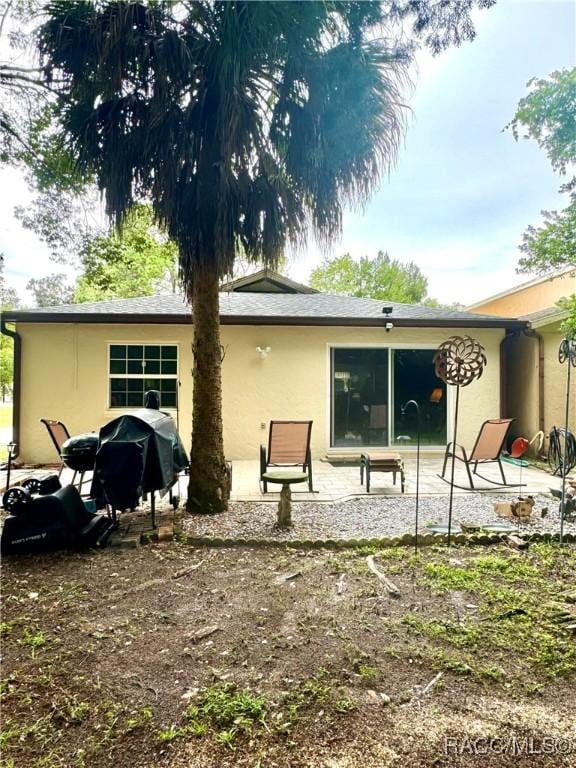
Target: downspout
x=531 y=333
x=504 y=375
x=15 y=336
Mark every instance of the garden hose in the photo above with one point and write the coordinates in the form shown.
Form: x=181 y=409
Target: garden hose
x=561 y=459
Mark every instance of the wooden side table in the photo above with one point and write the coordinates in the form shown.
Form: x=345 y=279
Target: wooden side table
x=382 y=462
x=284 y=506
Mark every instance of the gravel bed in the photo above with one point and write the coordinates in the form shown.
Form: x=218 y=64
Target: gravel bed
x=362 y=517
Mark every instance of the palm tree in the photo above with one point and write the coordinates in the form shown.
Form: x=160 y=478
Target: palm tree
x=246 y=124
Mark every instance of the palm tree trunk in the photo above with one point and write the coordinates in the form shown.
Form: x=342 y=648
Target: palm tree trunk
x=209 y=486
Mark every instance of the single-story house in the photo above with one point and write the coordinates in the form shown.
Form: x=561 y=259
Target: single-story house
x=535 y=381
x=349 y=364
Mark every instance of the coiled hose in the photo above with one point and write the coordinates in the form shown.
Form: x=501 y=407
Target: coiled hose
x=561 y=458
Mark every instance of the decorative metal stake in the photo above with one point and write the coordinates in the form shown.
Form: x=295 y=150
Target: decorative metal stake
x=458 y=361
x=403 y=411
x=566 y=354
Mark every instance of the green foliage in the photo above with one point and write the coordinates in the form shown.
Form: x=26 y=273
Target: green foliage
x=33 y=639
x=379 y=278
x=345 y=704
x=547 y=113
x=6 y=365
x=137 y=261
x=226 y=710
x=553 y=244
x=51 y=290
x=516 y=600
x=568 y=303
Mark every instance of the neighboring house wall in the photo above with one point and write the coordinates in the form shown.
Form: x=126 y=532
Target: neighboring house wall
x=522 y=363
x=528 y=299
x=522 y=381
x=64 y=376
x=556 y=376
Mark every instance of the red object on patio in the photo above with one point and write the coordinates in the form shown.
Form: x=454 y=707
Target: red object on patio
x=519 y=447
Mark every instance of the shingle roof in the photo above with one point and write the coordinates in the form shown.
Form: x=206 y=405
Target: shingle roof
x=550 y=314
x=262 y=308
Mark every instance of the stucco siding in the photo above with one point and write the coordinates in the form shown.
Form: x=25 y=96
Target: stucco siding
x=528 y=299
x=555 y=383
x=522 y=375
x=64 y=376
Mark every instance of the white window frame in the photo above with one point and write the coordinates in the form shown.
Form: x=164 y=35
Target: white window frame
x=132 y=343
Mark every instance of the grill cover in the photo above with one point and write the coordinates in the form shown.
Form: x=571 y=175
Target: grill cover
x=137 y=453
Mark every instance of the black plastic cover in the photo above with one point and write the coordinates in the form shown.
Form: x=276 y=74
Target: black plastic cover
x=147 y=456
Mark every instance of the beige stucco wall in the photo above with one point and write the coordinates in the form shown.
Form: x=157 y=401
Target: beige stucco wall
x=522 y=383
x=522 y=359
x=555 y=376
x=64 y=376
x=531 y=298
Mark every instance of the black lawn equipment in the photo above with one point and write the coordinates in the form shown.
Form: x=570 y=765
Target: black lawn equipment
x=58 y=520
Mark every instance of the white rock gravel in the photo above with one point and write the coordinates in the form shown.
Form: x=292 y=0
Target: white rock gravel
x=363 y=517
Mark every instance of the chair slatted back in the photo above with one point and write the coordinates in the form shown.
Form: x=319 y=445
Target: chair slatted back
x=289 y=442
x=58 y=433
x=491 y=439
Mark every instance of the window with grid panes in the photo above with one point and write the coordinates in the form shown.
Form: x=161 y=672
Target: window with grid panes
x=133 y=369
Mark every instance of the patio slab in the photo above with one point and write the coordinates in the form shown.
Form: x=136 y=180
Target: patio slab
x=333 y=481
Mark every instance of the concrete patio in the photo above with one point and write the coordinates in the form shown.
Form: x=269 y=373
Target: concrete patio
x=336 y=481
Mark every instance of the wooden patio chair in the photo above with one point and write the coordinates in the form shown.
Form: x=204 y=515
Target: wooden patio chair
x=288 y=446
x=487 y=449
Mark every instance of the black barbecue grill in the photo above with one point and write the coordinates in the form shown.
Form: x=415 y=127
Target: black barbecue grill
x=137 y=454
x=79 y=452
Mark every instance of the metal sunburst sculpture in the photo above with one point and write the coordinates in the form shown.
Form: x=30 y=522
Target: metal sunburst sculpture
x=566 y=354
x=458 y=361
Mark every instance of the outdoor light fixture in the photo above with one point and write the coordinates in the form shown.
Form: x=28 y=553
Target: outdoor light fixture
x=388 y=327
x=263 y=351
x=387 y=310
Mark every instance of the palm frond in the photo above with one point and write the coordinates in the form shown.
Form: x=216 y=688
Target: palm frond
x=243 y=122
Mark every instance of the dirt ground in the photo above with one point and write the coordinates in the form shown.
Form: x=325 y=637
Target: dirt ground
x=178 y=657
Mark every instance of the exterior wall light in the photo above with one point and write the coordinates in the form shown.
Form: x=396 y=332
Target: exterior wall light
x=388 y=327
x=263 y=351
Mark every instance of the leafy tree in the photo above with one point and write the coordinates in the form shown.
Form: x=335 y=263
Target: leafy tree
x=9 y=299
x=51 y=290
x=547 y=114
x=553 y=244
x=379 y=278
x=138 y=261
x=235 y=119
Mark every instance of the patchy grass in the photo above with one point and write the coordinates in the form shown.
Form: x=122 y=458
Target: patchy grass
x=101 y=672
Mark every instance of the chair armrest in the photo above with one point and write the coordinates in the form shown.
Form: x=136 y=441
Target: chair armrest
x=262 y=460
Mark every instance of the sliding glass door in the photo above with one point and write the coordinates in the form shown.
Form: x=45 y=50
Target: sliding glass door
x=359 y=397
x=369 y=387
x=413 y=378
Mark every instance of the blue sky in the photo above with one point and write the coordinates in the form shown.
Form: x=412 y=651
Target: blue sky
x=462 y=191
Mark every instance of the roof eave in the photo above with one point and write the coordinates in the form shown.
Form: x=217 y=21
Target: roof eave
x=181 y=319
